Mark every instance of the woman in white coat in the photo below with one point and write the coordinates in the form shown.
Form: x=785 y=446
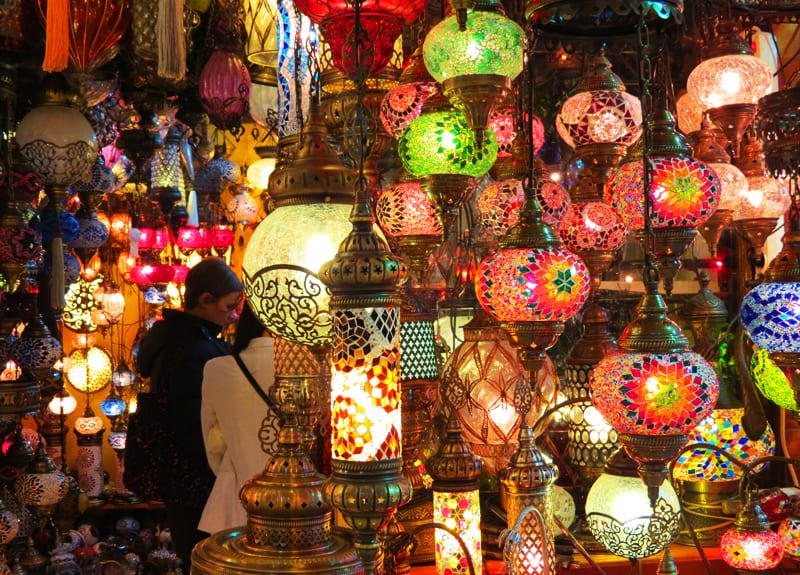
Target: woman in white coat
x=233 y=415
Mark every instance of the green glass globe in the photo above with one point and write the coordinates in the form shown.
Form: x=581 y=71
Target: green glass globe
x=442 y=143
x=491 y=44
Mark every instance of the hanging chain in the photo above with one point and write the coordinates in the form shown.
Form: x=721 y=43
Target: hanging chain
x=646 y=99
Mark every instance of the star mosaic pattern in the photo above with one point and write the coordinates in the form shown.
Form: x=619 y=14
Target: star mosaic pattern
x=770 y=315
x=405 y=210
x=403 y=104
x=532 y=284
x=592 y=226
x=684 y=191
x=600 y=116
x=654 y=393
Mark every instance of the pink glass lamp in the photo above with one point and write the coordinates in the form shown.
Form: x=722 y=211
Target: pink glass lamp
x=684 y=193
x=403 y=103
x=750 y=545
x=224 y=89
x=406 y=214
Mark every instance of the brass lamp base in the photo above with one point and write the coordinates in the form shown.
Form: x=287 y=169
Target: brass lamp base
x=475 y=95
x=418 y=249
x=446 y=192
x=598 y=261
x=229 y=553
x=669 y=244
x=367 y=493
x=756 y=231
x=733 y=119
x=652 y=453
x=711 y=230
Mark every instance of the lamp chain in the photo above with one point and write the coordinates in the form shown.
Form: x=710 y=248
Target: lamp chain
x=646 y=98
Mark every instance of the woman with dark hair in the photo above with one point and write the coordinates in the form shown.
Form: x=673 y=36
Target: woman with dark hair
x=172 y=355
x=237 y=433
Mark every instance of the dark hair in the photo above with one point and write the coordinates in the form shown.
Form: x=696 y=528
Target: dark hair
x=211 y=275
x=248 y=328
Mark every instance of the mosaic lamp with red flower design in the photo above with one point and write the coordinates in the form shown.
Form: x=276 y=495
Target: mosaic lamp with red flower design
x=475 y=61
x=532 y=287
x=382 y=22
x=654 y=389
x=684 y=194
x=751 y=545
x=406 y=214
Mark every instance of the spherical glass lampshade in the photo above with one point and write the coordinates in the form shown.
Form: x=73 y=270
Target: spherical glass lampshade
x=487 y=362
x=122 y=376
x=189 y=239
x=224 y=88
x=733 y=184
x=620 y=517
x=36 y=353
x=770 y=315
x=764 y=197
x=751 y=550
x=9 y=524
x=281 y=269
x=442 y=143
x=155 y=239
x=789 y=531
x=491 y=44
x=684 y=192
x=242 y=208
x=690 y=113
x=729 y=79
x=58 y=143
x=722 y=428
x=89 y=370
x=91 y=234
x=42 y=489
x=600 y=117
x=113 y=406
x=405 y=210
x=117 y=440
x=62 y=403
x=519 y=284
x=263 y=98
x=88 y=424
x=592 y=226
x=403 y=104
x=654 y=393
x=499 y=205
x=79 y=304
x=259 y=172
x=222 y=238
x=771 y=381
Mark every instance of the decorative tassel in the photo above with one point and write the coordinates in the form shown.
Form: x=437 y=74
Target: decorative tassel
x=170 y=40
x=57 y=301
x=56 y=51
x=193 y=221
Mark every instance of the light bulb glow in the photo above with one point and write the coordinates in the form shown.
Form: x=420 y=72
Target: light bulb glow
x=764 y=197
x=729 y=79
x=461 y=512
x=600 y=116
x=751 y=550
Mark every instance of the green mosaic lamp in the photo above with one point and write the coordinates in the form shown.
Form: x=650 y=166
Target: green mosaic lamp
x=475 y=61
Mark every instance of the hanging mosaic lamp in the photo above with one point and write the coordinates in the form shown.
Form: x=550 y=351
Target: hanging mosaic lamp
x=381 y=23
x=654 y=390
x=475 y=61
x=751 y=545
x=403 y=103
x=684 y=193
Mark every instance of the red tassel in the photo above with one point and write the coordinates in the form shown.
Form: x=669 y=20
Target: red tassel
x=56 y=51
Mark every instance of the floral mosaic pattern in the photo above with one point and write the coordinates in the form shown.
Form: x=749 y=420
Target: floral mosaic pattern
x=91 y=234
x=34 y=353
x=39 y=489
x=521 y=284
x=654 y=393
x=600 y=116
x=770 y=315
x=403 y=104
x=405 y=210
x=684 y=192
x=461 y=512
x=722 y=428
x=442 y=143
x=365 y=385
x=592 y=226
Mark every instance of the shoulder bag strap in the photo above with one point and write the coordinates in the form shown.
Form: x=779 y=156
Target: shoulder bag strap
x=261 y=393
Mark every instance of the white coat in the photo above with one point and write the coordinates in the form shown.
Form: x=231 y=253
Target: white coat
x=231 y=415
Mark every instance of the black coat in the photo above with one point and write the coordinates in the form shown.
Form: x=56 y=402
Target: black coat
x=173 y=355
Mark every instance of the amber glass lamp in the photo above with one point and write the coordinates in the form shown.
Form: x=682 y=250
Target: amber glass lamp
x=475 y=61
x=366 y=484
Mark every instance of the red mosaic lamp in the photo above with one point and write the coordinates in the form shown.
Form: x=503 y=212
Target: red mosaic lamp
x=381 y=23
x=751 y=545
x=654 y=390
x=403 y=103
x=684 y=193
